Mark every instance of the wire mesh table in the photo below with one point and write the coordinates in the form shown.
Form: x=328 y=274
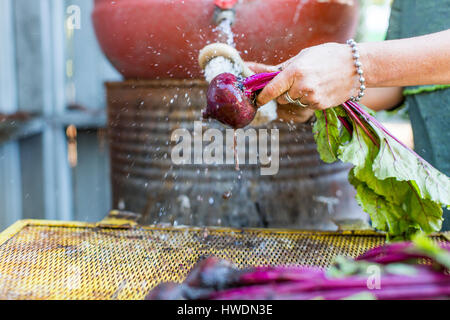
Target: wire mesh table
x=122 y=260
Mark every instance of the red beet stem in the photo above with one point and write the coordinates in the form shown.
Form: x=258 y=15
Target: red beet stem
x=375 y=122
x=279 y=274
x=406 y=292
x=396 y=250
x=355 y=117
x=257 y=82
x=320 y=284
x=346 y=124
x=385 y=249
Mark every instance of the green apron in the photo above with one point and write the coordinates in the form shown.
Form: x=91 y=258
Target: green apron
x=428 y=106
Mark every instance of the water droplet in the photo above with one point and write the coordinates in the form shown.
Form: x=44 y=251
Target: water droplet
x=227 y=195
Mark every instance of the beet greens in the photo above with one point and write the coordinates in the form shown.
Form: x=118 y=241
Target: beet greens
x=402 y=192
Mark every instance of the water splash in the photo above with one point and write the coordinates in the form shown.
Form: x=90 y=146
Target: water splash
x=224 y=31
x=220 y=65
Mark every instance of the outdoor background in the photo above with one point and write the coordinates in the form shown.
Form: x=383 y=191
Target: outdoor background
x=53 y=146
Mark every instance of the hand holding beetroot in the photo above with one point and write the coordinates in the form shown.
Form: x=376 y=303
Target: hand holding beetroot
x=321 y=77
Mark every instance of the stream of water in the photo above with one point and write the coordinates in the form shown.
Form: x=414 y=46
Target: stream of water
x=221 y=64
x=224 y=31
x=214 y=67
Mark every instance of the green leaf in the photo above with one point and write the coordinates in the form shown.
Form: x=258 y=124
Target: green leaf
x=426 y=213
x=395 y=200
x=402 y=193
x=398 y=200
x=358 y=150
x=344 y=267
x=395 y=161
x=327 y=135
x=361 y=296
x=429 y=248
x=385 y=215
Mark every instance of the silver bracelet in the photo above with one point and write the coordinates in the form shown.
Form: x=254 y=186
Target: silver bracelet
x=359 y=70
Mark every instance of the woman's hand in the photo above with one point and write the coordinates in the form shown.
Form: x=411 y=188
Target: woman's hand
x=321 y=77
x=286 y=112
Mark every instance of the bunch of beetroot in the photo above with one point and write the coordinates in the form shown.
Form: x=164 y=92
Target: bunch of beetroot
x=230 y=99
x=402 y=193
x=405 y=270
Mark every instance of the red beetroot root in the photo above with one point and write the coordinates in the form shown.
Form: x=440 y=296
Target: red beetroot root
x=228 y=103
x=230 y=99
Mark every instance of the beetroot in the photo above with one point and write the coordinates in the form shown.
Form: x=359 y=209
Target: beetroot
x=230 y=99
x=227 y=102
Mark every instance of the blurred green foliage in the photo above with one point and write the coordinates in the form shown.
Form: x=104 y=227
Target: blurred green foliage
x=373 y=22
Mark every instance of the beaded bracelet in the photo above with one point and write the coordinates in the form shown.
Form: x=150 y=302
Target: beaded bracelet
x=359 y=70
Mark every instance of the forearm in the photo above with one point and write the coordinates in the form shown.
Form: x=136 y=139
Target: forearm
x=379 y=99
x=415 y=61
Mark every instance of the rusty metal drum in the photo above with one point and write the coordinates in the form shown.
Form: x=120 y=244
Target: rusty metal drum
x=142 y=115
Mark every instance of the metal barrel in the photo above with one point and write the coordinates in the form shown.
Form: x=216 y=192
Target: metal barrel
x=142 y=116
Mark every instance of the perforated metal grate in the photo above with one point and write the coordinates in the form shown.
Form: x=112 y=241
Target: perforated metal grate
x=56 y=261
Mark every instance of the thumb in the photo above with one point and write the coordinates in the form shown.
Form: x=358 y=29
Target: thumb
x=260 y=68
x=279 y=85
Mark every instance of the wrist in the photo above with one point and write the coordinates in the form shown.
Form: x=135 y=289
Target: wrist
x=358 y=67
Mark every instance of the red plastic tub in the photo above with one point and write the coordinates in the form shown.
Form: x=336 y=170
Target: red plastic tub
x=157 y=39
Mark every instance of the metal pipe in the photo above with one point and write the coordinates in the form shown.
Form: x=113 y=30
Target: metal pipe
x=224 y=11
